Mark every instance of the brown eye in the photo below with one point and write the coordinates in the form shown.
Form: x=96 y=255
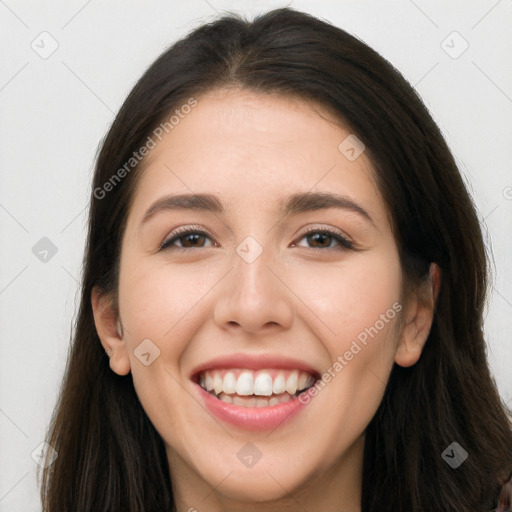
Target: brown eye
x=189 y=239
x=322 y=239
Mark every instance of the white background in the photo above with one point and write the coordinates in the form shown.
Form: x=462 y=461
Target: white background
x=55 y=111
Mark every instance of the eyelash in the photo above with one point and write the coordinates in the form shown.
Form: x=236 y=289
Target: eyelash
x=184 y=232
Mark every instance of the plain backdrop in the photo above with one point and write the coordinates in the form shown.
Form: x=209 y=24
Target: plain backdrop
x=66 y=67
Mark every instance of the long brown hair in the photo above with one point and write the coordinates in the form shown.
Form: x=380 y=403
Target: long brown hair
x=110 y=457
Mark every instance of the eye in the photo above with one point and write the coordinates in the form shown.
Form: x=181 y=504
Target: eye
x=323 y=238
x=189 y=238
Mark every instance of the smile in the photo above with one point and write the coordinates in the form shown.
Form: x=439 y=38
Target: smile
x=253 y=392
x=255 y=388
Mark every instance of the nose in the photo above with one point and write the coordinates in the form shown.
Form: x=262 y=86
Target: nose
x=252 y=297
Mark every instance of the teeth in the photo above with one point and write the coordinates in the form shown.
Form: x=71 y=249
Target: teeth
x=229 y=383
x=226 y=398
x=279 y=385
x=262 y=383
x=244 y=384
x=208 y=382
x=302 y=382
x=237 y=400
x=291 y=382
x=244 y=401
x=310 y=380
x=217 y=383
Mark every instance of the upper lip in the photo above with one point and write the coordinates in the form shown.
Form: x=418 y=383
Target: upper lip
x=254 y=362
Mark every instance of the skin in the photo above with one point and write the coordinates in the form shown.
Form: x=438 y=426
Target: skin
x=300 y=298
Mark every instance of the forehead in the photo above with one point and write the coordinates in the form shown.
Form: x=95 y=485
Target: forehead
x=254 y=148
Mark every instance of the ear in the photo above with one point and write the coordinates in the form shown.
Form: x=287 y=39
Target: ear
x=418 y=317
x=109 y=330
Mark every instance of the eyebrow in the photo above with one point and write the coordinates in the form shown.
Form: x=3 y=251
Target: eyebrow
x=300 y=202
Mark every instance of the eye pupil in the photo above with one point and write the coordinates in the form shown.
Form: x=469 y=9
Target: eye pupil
x=319 y=237
x=192 y=236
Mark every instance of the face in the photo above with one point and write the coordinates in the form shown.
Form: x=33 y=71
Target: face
x=286 y=277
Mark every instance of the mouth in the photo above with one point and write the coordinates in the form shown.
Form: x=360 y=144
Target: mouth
x=251 y=388
x=255 y=392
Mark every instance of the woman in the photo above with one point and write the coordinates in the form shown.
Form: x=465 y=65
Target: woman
x=224 y=358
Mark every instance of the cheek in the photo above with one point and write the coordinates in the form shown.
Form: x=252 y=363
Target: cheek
x=156 y=299
x=354 y=309
x=347 y=299
x=166 y=304
x=161 y=303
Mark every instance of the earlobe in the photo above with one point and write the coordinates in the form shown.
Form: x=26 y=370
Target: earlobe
x=419 y=315
x=110 y=332
x=411 y=343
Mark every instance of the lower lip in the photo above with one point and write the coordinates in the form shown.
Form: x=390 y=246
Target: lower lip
x=251 y=418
